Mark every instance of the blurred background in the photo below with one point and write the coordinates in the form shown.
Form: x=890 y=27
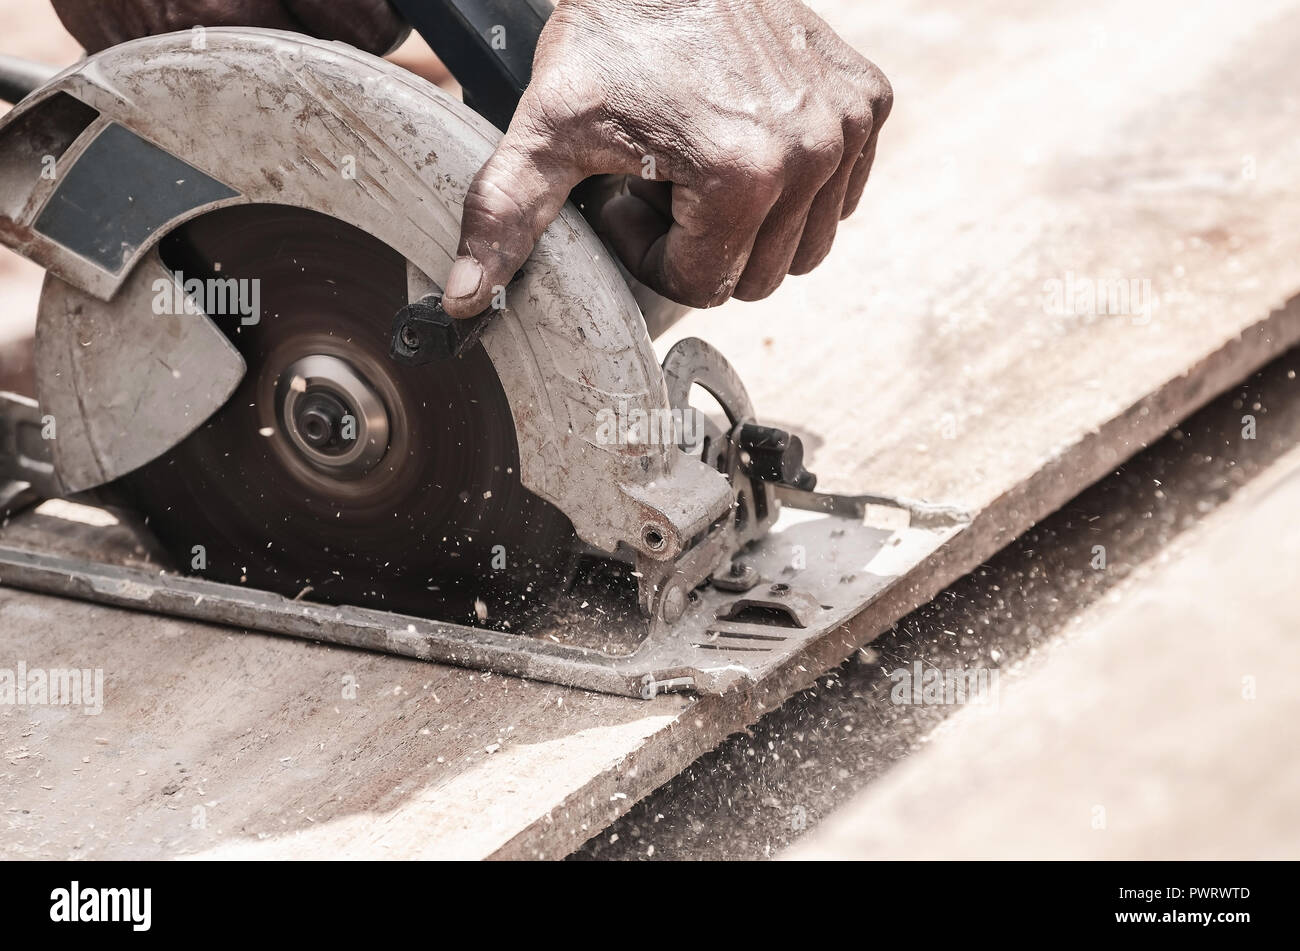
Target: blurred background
x=30 y=29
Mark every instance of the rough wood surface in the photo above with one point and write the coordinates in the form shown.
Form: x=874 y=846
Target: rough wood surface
x=1029 y=143
x=1163 y=726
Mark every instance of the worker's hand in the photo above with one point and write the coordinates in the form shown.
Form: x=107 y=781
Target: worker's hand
x=747 y=128
x=371 y=25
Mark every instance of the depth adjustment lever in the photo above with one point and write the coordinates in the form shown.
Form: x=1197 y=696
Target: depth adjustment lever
x=774 y=456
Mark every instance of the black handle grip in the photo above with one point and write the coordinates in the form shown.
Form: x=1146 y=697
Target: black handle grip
x=21 y=77
x=487 y=44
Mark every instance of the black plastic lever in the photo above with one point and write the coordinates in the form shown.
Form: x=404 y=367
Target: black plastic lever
x=487 y=44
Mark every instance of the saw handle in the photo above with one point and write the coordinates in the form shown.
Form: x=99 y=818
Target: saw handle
x=487 y=44
x=21 y=77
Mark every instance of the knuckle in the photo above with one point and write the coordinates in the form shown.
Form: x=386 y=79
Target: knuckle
x=858 y=123
x=820 y=154
x=766 y=183
x=870 y=101
x=371 y=25
x=758 y=172
x=881 y=93
x=490 y=205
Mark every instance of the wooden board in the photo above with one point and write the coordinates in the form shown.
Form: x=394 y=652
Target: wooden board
x=1163 y=727
x=1029 y=144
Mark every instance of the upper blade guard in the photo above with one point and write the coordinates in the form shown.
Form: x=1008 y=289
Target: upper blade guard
x=265 y=117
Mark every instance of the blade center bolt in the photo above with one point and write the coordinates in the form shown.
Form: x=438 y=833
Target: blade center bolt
x=320 y=419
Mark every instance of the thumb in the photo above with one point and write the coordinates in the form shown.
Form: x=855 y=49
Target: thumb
x=511 y=201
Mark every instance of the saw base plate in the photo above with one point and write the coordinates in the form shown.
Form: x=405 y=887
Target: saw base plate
x=820 y=565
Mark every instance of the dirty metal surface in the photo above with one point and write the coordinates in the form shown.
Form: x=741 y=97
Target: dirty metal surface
x=124 y=382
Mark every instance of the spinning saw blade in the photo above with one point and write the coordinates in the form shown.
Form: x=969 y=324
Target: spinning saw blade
x=334 y=469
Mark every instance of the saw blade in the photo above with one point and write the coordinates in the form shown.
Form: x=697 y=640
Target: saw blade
x=335 y=472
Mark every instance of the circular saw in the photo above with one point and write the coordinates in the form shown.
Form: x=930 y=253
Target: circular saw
x=246 y=233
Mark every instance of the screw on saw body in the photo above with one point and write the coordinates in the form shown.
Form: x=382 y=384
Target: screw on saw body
x=410 y=338
x=775 y=456
x=424 y=333
x=739 y=577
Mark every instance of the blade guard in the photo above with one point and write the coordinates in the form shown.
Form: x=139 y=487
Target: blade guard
x=150 y=134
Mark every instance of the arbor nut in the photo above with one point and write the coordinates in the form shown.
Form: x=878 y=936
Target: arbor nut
x=319 y=417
